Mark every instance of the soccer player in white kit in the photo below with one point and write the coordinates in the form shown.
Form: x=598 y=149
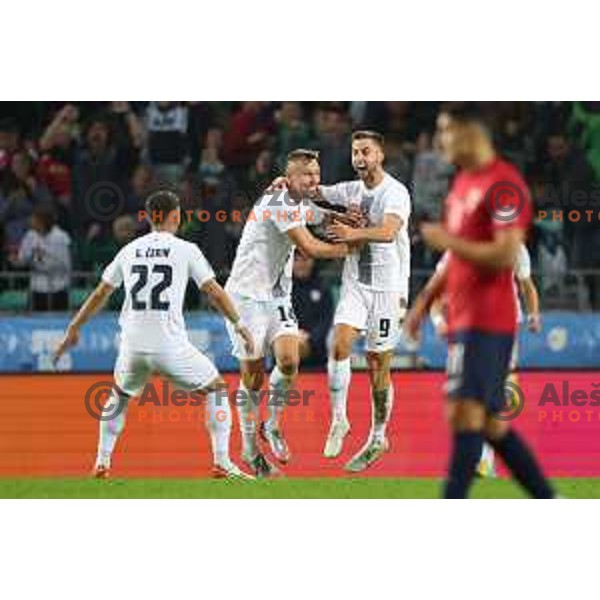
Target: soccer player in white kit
x=155 y=270
x=374 y=292
x=261 y=284
x=525 y=286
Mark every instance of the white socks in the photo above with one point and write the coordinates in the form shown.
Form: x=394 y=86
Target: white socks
x=218 y=423
x=248 y=411
x=383 y=401
x=279 y=384
x=340 y=373
x=487 y=454
x=110 y=430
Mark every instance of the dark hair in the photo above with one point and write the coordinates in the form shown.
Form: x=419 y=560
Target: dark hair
x=469 y=112
x=367 y=134
x=302 y=154
x=45 y=214
x=160 y=203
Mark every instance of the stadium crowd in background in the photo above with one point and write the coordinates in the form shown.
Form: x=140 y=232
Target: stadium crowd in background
x=223 y=155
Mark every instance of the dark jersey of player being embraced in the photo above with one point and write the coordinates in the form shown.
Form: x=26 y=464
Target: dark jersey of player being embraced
x=479 y=204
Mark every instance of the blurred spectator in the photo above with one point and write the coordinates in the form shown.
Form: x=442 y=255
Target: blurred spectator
x=292 y=131
x=369 y=115
x=201 y=118
x=515 y=144
x=95 y=255
x=19 y=193
x=586 y=121
x=551 y=258
x=260 y=175
x=431 y=178
x=313 y=306
x=142 y=183
x=101 y=159
x=400 y=124
x=127 y=127
x=211 y=168
x=397 y=162
x=57 y=150
x=247 y=135
x=45 y=249
x=168 y=147
x=9 y=142
x=333 y=142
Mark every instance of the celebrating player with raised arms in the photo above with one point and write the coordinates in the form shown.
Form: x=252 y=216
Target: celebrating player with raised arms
x=155 y=269
x=488 y=212
x=261 y=285
x=374 y=292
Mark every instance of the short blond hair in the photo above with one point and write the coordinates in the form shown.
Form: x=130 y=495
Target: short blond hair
x=302 y=154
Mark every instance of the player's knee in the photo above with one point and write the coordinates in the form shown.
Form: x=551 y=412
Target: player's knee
x=495 y=429
x=378 y=361
x=253 y=380
x=343 y=340
x=288 y=364
x=378 y=364
x=342 y=349
x=467 y=415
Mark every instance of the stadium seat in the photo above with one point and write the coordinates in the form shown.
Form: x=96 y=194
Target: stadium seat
x=14 y=300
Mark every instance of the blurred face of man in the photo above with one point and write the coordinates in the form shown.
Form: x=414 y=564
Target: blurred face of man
x=21 y=165
x=457 y=140
x=558 y=147
x=123 y=230
x=367 y=157
x=304 y=177
x=98 y=136
x=141 y=181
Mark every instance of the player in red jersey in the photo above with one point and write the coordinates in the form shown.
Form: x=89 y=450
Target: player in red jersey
x=487 y=214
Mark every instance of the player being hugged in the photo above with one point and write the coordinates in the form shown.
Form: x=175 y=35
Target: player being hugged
x=261 y=285
x=483 y=238
x=154 y=270
x=374 y=291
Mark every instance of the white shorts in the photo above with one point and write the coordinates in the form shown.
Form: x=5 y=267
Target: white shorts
x=267 y=320
x=185 y=365
x=378 y=314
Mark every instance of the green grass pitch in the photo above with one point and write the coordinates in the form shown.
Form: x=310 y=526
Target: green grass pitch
x=282 y=488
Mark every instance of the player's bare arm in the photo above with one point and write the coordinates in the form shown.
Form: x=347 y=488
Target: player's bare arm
x=337 y=212
x=384 y=233
x=427 y=296
x=436 y=314
x=532 y=304
x=220 y=299
x=314 y=247
x=499 y=253
x=94 y=303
